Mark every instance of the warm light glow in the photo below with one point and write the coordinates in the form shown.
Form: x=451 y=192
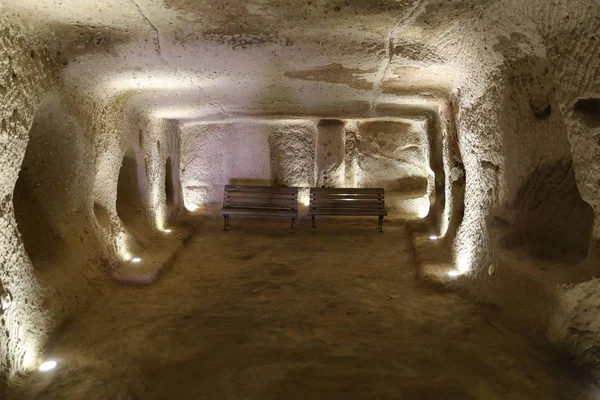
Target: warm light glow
x=48 y=366
x=423 y=208
x=454 y=273
x=463 y=263
x=159 y=80
x=136 y=259
x=191 y=207
x=122 y=240
x=433 y=237
x=168 y=230
x=29 y=358
x=161 y=220
x=304 y=196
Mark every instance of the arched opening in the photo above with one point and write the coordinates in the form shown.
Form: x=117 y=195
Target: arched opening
x=40 y=234
x=552 y=219
x=129 y=196
x=589 y=111
x=169 y=185
x=46 y=198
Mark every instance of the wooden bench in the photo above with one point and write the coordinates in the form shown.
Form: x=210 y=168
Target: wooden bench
x=359 y=202
x=259 y=201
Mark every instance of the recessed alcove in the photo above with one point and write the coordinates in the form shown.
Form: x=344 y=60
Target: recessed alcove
x=357 y=153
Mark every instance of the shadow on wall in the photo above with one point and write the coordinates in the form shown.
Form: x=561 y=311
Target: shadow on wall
x=552 y=220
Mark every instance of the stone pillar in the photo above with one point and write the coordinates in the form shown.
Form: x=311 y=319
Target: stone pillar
x=330 y=154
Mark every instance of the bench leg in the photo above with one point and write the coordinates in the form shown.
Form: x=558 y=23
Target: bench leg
x=293 y=219
x=313 y=222
x=380 y=224
x=225 y=222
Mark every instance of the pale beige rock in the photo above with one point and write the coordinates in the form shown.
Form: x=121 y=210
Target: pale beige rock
x=472 y=113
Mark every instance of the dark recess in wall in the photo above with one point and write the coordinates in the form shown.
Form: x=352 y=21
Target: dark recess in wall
x=39 y=189
x=588 y=110
x=169 y=185
x=589 y=106
x=552 y=219
x=129 y=199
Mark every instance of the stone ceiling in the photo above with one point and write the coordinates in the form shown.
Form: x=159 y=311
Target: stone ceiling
x=187 y=60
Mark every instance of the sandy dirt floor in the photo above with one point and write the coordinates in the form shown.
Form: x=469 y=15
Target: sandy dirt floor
x=261 y=313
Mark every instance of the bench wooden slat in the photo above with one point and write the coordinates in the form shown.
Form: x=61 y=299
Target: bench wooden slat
x=259 y=211
x=344 y=206
x=343 y=202
x=349 y=212
x=260 y=205
x=348 y=202
x=357 y=209
x=259 y=201
x=351 y=196
x=264 y=195
x=242 y=196
x=346 y=191
x=352 y=211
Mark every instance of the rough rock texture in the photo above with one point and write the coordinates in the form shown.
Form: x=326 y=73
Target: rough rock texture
x=496 y=92
x=330 y=166
x=293 y=154
x=324 y=153
x=217 y=155
x=60 y=162
x=551 y=215
x=25 y=74
x=394 y=155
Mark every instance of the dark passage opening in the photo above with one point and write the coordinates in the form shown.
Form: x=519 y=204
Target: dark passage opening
x=552 y=218
x=129 y=198
x=589 y=111
x=169 y=185
x=43 y=197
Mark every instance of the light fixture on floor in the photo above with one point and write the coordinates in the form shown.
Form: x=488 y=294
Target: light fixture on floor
x=168 y=230
x=433 y=237
x=136 y=260
x=454 y=273
x=48 y=365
